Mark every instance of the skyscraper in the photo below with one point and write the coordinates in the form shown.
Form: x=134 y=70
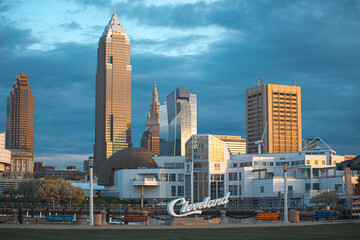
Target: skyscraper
x=20 y=116
x=182 y=119
x=277 y=110
x=113 y=93
x=150 y=139
x=164 y=130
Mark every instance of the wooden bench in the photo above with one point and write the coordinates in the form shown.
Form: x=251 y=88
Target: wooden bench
x=318 y=215
x=267 y=216
x=134 y=218
x=60 y=218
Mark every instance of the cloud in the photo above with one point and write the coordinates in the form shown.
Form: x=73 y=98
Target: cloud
x=71 y=26
x=216 y=48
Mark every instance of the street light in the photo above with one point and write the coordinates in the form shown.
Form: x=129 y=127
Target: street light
x=91 y=165
x=285 y=195
x=53 y=202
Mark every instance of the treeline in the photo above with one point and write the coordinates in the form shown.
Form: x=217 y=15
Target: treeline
x=48 y=190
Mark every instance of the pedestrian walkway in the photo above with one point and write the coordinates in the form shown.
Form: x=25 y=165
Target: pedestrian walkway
x=142 y=226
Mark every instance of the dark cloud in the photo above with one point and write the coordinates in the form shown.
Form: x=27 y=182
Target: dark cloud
x=314 y=41
x=13 y=37
x=71 y=26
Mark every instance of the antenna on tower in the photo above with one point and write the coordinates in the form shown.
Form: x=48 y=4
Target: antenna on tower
x=259 y=81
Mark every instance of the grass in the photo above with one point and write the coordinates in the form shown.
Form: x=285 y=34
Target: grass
x=328 y=231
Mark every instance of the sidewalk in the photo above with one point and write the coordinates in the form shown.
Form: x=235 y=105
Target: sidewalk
x=142 y=226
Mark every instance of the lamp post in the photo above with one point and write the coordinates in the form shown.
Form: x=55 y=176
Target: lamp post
x=91 y=210
x=53 y=202
x=285 y=195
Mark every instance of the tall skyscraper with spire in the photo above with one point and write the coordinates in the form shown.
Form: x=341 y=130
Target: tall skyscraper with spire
x=20 y=116
x=150 y=139
x=113 y=93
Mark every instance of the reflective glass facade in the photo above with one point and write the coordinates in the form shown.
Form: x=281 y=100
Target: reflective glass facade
x=113 y=93
x=182 y=119
x=205 y=157
x=163 y=126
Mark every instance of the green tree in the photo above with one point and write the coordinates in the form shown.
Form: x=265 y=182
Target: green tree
x=28 y=188
x=10 y=190
x=328 y=198
x=357 y=186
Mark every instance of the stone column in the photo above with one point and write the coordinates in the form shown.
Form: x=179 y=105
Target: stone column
x=104 y=218
x=15 y=216
x=223 y=217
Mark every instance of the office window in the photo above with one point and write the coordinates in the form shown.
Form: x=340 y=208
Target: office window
x=172 y=177
x=233 y=189
x=262 y=189
x=232 y=176
x=316 y=186
x=173 y=191
x=217 y=166
x=164 y=177
x=180 y=190
x=180 y=177
x=307 y=186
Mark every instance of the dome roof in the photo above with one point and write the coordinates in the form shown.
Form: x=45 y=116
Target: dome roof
x=129 y=158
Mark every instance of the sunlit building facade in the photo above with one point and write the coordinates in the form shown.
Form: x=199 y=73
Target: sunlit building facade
x=182 y=119
x=277 y=110
x=150 y=139
x=164 y=130
x=113 y=93
x=235 y=144
x=20 y=115
x=205 y=163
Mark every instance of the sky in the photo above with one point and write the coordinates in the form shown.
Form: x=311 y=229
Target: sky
x=217 y=48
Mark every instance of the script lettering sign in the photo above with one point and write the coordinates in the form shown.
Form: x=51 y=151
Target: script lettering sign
x=195 y=208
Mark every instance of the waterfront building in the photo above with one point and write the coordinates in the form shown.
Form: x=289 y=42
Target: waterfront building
x=235 y=144
x=209 y=170
x=275 y=110
x=150 y=139
x=182 y=119
x=113 y=93
x=20 y=115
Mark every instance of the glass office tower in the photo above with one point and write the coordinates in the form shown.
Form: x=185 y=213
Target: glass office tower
x=182 y=119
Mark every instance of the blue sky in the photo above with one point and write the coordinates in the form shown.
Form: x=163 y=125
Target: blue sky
x=217 y=48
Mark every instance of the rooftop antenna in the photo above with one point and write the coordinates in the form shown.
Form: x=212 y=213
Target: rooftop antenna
x=259 y=81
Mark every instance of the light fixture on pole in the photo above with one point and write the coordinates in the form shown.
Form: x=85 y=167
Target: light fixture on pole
x=91 y=210
x=285 y=194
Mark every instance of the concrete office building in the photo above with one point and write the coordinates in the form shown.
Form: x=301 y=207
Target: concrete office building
x=20 y=115
x=182 y=119
x=113 y=93
x=235 y=144
x=150 y=139
x=277 y=110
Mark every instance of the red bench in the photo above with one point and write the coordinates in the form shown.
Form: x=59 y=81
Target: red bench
x=134 y=218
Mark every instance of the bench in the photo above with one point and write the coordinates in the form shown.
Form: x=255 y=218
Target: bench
x=318 y=215
x=134 y=218
x=267 y=216
x=60 y=218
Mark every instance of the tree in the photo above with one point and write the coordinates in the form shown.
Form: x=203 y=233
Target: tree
x=357 y=186
x=10 y=190
x=47 y=190
x=328 y=198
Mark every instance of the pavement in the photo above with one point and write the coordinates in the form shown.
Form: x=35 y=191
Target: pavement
x=142 y=226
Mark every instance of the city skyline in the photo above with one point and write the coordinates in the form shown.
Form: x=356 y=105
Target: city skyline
x=216 y=48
